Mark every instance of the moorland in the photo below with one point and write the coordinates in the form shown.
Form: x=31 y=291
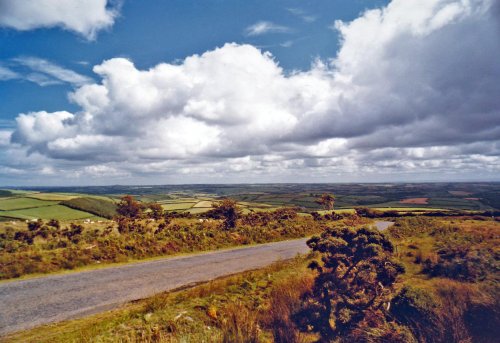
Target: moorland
x=435 y=270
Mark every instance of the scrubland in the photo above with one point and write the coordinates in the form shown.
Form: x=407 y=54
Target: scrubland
x=448 y=293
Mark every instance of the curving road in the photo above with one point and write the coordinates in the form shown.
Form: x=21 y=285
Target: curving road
x=29 y=303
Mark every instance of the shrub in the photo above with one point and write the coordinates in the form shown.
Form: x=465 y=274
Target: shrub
x=226 y=210
x=356 y=275
x=462 y=262
x=129 y=207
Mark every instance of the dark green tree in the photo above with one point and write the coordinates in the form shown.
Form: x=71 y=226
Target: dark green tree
x=226 y=210
x=355 y=276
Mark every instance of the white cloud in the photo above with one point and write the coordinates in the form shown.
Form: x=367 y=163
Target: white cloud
x=286 y=44
x=302 y=15
x=85 y=17
x=47 y=73
x=7 y=74
x=413 y=90
x=263 y=27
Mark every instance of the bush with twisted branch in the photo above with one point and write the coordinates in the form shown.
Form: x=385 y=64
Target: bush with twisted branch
x=355 y=277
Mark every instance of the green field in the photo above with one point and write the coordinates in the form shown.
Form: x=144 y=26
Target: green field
x=52 y=196
x=177 y=206
x=97 y=206
x=47 y=212
x=204 y=204
x=21 y=203
x=197 y=210
x=258 y=197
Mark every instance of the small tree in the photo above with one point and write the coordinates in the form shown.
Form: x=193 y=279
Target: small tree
x=227 y=210
x=327 y=201
x=129 y=207
x=156 y=211
x=356 y=275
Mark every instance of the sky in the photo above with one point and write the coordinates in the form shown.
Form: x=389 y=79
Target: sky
x=97 y=92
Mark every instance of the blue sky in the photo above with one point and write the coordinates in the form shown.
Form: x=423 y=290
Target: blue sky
x=150 y=91
x=154 y=31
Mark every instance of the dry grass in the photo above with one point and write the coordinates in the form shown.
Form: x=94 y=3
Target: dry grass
x=285 y=301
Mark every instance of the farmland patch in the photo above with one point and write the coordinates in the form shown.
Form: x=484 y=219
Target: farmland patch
x=415 y=201
x=47 y=212
x=22 y=203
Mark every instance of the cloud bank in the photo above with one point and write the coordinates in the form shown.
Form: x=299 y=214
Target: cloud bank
x=85 y=17
x=413 y=89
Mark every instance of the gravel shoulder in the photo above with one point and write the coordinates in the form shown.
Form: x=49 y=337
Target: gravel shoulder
x=28 y=303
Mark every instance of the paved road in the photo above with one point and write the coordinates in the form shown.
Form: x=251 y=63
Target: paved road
x=29 y=303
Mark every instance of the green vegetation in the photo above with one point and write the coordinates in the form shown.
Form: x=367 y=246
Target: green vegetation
x=355 y=280
x=231 y=309
x=276 y=303
x=99 y=207
x=178 y=206
x=47 y=212
x=449 y=292
x=197 y=199
x=139 y=234
x=23 y=203
x=5 y=193
x=440 y=195
x=53 y=196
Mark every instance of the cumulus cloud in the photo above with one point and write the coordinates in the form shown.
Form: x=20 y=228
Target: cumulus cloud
x=85 y=17
x=263 y=27
x=413 y=90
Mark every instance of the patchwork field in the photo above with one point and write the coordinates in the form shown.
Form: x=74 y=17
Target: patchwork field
x=24 y=205
x=48 y=212
x=53 y=196
x=85 y=202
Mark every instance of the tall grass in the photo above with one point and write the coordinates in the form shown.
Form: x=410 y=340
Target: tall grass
x=239 y=324
x=285 y=301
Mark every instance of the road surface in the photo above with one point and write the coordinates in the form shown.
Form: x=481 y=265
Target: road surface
x=28 y=303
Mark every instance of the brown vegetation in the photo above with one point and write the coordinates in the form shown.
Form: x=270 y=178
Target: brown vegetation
x=142 y=231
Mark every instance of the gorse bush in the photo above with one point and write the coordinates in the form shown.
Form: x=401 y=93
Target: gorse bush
x=356 y=275
x=462 y=262
x=227 y=210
